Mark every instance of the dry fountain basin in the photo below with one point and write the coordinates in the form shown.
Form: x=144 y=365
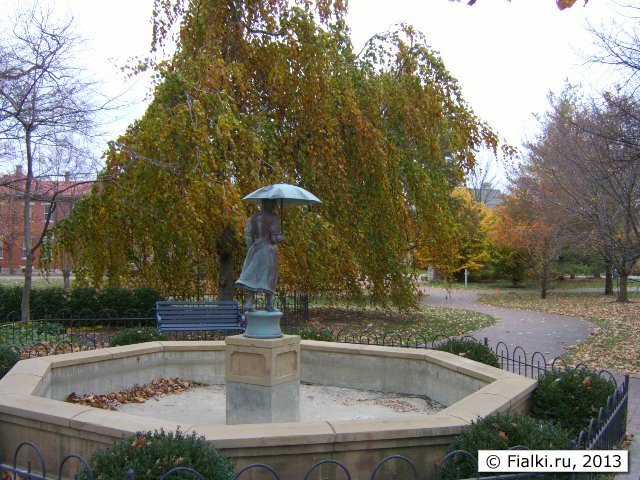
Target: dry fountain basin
x=32 y=406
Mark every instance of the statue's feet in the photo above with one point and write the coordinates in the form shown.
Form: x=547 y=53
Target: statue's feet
x=248 y=307
x=271 y=308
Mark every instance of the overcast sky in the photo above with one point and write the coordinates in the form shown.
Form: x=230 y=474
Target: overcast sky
x=507 y=56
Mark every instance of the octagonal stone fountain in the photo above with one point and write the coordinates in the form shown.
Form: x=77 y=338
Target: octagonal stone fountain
x=32 y=406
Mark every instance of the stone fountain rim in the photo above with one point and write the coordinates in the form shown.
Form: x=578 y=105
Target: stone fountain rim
x=59 y=428
x=27 y=377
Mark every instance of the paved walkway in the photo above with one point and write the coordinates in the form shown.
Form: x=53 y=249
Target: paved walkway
x=542 y=332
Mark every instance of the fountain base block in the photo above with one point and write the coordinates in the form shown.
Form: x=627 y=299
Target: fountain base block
x=263 y=379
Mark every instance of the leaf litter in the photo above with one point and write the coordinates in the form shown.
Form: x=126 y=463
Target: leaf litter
x=137 y=394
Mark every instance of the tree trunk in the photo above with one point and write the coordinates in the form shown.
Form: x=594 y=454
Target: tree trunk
x=66 y=279
x=622 y=289
x=25 y=305
x=225 y=276
x=608 y=277
x=544 y=280
x=12 y=270
x=225 y=247
x=66 y=271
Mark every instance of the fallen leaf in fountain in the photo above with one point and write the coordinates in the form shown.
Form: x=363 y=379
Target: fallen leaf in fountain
x=137 y=394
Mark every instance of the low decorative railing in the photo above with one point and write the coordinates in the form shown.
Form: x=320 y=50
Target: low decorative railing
x=386 y=468
x=51 y=326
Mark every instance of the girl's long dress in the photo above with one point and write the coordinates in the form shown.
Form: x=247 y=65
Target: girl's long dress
x=260 y=269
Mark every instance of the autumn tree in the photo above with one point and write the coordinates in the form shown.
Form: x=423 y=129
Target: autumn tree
x=45 y=106
x=538 y=227
x=471 y=220
x=588 y=153
x=260 y=92
x=506 y=255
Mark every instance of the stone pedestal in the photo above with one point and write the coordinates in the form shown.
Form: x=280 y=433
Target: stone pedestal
x=262 y=379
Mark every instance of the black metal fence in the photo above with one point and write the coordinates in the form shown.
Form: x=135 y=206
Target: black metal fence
x=385 y=469
x=64 y=331
x=294 y=306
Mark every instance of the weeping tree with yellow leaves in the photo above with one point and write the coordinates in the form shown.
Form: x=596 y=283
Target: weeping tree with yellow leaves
x=267 y=91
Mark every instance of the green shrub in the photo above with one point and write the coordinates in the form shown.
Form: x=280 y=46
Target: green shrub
x=82 y=298
x=50 y=330
x=8 y=358
x=150 y=455
x=470 y=349
x=144 y=300
x=308 y=333
x=10 y=300
x=120 y=301
x=116 y=300
x=48 y=302
x=81 y=302
x=137 y=335
x=501 y=432
x=571 y=397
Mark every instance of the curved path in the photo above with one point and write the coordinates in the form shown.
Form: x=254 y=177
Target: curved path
x=542 y=332
x=547 y=333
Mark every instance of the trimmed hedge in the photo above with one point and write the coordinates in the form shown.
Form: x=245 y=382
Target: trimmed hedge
x=136 y=335
x=151 y=455
x=571 y=398
x=470 y=349
x=564 y=403
x=10 y=299
x=79 y=302
x=8 y=358
x=308 y=333
x=501 y=432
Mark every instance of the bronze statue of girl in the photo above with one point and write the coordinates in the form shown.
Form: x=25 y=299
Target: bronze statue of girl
x=260 y=269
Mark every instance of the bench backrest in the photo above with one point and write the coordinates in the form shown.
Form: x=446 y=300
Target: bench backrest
x=190 y=315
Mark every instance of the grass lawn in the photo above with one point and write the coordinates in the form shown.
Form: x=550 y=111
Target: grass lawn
x=615 y=342
x=427 y=321
x=38 y=282
x=567 y=284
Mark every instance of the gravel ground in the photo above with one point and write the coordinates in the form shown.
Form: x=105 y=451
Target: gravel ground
x=206 y=405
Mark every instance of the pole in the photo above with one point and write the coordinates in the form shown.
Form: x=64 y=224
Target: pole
x=281 y=216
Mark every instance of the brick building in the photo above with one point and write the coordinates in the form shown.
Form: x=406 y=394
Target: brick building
x=45 y=194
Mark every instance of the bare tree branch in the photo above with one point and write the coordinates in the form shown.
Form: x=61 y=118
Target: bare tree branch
x=46 y=109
